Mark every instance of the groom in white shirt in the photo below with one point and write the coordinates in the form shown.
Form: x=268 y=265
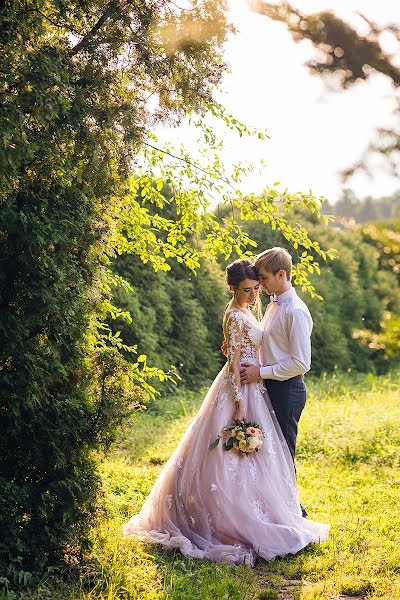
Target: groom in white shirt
x=286 y=346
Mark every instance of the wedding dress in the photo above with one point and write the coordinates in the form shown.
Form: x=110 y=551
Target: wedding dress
x=221 y=505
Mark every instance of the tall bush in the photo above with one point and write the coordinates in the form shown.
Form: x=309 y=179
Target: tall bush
x=74 y=114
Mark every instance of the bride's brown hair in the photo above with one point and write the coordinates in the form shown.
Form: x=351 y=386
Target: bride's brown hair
x=235 y=273
x=239 y=270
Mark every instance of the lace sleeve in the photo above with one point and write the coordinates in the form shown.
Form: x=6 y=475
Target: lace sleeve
x=235 y=334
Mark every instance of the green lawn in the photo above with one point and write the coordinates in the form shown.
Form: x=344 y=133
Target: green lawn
x=348 y=475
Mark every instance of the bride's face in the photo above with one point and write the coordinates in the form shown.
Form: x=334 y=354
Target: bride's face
x=246 y=292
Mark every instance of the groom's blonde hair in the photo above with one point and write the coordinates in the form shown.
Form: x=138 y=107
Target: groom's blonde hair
x=274 y=260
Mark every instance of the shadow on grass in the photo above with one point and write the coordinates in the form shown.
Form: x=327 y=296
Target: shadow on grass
x=155 y=432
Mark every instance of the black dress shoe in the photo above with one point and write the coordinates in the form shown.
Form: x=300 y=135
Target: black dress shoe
x=303 y=511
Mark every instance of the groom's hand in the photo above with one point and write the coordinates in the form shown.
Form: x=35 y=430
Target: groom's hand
x=249 y=373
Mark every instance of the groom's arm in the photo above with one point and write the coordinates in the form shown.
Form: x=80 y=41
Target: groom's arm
x=299 y=327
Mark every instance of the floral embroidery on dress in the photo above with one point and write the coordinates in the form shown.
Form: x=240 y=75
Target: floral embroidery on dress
x=245 y=334
x=193 y=520
x=269 y=441
x=292 y=505
x=218 y=520
x=224 y=398
x=260 y=511
x=293 y=502
x=209 y=522
x=235 y=328
x=179 y=463
x=269 y=445
x=181 y=485
x=288 y=528
x=253 y=470
x=213 y=487
x=195 y=465
x=168 y=500
x=233 y=467
x=258 y=393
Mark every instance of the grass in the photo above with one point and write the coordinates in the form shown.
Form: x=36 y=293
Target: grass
x=348 y=475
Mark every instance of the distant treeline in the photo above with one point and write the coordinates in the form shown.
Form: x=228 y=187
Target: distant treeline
x=177 y=316
x=366 y=209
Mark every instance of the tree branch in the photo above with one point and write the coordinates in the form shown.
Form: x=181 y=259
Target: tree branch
x=188 y=162
x=60 y=26
x=85 y=41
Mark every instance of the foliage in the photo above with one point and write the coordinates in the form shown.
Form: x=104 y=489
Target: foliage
x=180 y=311
x=385 y=341
x=199 y=232
x=176 y=317
x=75 y=80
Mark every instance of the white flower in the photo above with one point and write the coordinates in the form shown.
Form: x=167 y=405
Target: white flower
x=213 y=487
x=168 y=500
x=253 y=442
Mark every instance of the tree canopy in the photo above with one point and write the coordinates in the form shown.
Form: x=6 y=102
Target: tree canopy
x=75 y=88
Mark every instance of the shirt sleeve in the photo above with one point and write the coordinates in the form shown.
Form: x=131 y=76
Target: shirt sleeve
x=299 y=327
x=235 y=334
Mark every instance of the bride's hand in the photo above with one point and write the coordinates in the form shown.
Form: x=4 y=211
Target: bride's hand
x=238 y=413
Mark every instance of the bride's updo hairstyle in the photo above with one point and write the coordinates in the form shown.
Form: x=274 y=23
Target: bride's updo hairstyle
x=235 y=273
x=240 y=270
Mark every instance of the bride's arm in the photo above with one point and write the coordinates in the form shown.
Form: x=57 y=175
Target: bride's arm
x=235 y=333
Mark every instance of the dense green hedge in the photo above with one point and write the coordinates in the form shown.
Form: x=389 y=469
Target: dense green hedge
x=177 y=317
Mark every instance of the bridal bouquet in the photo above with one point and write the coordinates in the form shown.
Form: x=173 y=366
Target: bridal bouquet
x=242 y=436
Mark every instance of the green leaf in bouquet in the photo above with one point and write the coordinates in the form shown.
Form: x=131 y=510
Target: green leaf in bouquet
x=229 y=427
x=229 y=444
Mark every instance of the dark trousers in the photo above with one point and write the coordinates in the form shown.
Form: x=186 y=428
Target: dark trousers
x=288 y=399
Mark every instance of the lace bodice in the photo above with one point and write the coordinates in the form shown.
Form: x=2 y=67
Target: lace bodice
x=244 y=332
x=243 y=343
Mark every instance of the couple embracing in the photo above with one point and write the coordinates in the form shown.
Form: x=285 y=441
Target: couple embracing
x=235 y=500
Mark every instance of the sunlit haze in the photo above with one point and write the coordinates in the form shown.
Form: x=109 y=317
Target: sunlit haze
x=314 y=132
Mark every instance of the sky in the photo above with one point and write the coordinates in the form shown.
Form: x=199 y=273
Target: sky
x=314 y=132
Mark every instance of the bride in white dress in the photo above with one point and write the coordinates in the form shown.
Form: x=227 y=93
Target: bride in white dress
x=223 y=505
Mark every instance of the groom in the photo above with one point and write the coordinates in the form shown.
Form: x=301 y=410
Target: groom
x=286 y=346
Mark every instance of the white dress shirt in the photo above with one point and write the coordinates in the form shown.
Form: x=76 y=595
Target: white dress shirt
x=286 y=344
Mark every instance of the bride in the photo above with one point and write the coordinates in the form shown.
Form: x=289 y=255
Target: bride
x=223 y=505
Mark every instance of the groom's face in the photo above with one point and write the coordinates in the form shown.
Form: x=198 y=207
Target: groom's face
x=272 y=284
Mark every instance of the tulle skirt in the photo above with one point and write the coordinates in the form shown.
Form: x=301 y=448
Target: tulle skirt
x=221 y=505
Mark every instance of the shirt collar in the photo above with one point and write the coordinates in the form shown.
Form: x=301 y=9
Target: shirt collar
x=290 y=293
